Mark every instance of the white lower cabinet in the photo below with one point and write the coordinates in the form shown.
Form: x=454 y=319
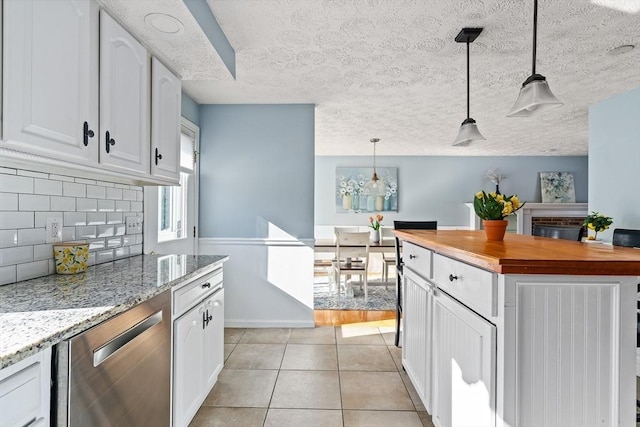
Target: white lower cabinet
x=416 y=344
x=464 y=366
x=198 y=354
x=25 y=391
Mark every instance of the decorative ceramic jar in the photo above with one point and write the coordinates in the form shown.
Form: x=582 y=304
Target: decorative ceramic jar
x=495 y=229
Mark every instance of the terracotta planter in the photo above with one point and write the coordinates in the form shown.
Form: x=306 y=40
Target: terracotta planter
x=495 y=229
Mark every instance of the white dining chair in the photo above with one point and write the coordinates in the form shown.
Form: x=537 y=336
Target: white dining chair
x=349 y=248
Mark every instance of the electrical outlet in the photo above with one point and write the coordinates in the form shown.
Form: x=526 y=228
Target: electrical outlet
x=53 y=230
x=133 y=225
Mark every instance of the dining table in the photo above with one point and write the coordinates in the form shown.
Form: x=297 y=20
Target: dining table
x=386 y=245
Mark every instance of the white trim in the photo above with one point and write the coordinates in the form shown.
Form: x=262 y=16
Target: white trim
x=205 y=242
x=252 y=323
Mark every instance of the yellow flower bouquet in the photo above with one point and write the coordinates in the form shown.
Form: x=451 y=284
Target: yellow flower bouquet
x=495 y=206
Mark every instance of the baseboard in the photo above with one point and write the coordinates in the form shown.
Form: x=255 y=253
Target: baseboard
x=253 y=323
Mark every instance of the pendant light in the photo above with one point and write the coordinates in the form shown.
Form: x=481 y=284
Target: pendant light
x=468 y=130
x=535 y=95
x=374 y=190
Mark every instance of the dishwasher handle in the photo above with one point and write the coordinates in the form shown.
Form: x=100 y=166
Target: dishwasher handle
x=115 y=344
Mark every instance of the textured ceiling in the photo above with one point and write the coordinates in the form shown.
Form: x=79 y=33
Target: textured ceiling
x=391 y=68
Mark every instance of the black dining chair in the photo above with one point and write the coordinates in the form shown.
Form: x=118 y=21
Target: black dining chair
x=630 y=238
x=564 y=232
x=626 y=237
x=405 y=225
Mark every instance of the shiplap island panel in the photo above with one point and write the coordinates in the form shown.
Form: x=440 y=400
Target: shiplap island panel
x=528 y=331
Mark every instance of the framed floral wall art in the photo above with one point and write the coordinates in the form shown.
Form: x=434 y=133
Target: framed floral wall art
x=352 y=195
x=557 y=187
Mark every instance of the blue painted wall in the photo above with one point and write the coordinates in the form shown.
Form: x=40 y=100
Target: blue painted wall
x=190 y=109
x=437 y=187
x=256 y=169
x=614 y=160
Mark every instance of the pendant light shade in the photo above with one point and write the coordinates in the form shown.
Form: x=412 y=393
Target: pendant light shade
x=468 y=130
x=535 y=95
x=374 y=190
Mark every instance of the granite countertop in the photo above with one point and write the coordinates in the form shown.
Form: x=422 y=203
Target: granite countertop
x=39 y=313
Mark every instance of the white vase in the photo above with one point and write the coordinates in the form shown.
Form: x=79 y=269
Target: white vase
x=346 y=202
x=375 y=236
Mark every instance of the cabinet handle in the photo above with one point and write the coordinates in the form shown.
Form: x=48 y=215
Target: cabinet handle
x=206 y=285
x=109 y=142
x=158 y=157
x=87 y=133
x=204 y=320
x=452 y=277
x=411 y=256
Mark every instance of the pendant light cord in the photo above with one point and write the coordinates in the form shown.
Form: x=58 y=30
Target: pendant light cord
x=468 y=86
x=535 y=35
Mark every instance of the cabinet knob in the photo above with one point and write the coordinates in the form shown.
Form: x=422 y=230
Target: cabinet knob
x=86 y=133
x=158 y=156
x=109 y=142
x=452 y=277
x=411 y=256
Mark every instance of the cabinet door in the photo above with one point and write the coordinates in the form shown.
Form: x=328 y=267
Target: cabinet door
x=214 y=340
x=188 y=380
x=464 y=366
x=124 y=99
x=416 y=349
x=165 y=122
x=51 y=78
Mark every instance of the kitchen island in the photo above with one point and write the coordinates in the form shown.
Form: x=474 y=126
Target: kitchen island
x=528 y=331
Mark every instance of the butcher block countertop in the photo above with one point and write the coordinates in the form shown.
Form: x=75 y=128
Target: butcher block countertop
x=519 y=254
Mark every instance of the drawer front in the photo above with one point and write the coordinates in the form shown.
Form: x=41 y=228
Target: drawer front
x=192 y=292
x=417 y=258
x=473 y=286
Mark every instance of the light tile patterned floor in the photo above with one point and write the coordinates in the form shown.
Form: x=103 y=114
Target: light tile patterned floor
x=343 y=376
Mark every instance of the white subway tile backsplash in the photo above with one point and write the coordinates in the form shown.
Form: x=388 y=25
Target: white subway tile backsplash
x=114 y=193
x=7 y=274
x=8 y=201
x=41 y=252
x=32 y=269
x=136 y=206
x=9 y=220
x=104 y=256
x=30 y=236
x=123 y=206
x=8 y=238
x=61 y=178
x=96 y=192
x=41 y=218
x=46 y=186
x=16 y=184
x=115 y=218
x=33 y=202
x=63 y=203
x=17 y=255
x=90 y=210
x=86 y=205
x=96 y=218
x=87 y=232
x=72 y=189
x=106 y=205
x=128 y=195
x=32 y=174
x=106 y=230
x=74 y=219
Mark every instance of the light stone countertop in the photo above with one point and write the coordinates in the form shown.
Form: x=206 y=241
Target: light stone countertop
x=39 y=313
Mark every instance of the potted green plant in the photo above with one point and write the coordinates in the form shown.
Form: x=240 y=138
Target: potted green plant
x=493 y=208
x=597 y=222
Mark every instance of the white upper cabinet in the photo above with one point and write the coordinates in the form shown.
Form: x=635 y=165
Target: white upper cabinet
x=165 y=125
x=50 y=98
x=124 y=100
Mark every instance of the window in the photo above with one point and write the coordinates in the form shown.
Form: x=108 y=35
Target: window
x=172 y=201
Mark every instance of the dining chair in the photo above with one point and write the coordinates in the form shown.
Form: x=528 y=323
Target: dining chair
x=626 y=237
x=349 y=247
x=388 y=260
x=564 y=232
x=405 y=225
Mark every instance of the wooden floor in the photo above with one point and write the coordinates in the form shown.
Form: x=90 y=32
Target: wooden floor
x=344 y=317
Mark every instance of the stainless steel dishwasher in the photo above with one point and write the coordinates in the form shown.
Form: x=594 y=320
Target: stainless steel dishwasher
x=118 y=373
